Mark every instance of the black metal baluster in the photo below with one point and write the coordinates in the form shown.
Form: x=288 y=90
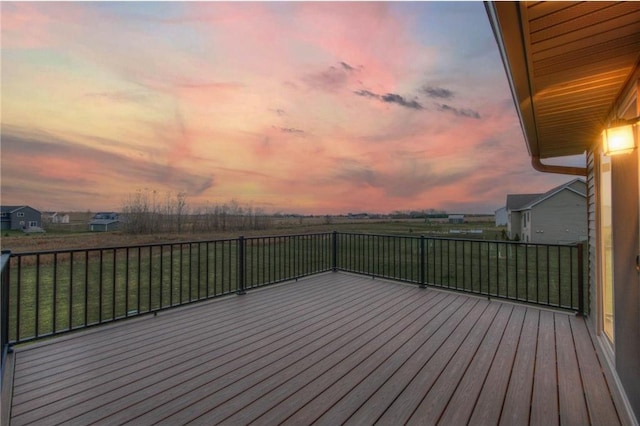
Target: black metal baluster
x=139 y=289
x=18 y=298
x=126 y=280
x=55 y=293
x=150 y=275
x=113 y=289
x=70 y=290
x=86 y=287
x=190 y=272
x=559 y=276
x=100 y=288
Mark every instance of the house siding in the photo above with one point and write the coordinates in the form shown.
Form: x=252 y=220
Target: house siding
x=514 y=227
x=592 y=238
x=626 y=288
x=20 y=218
x=501 y=216
x=560 y=219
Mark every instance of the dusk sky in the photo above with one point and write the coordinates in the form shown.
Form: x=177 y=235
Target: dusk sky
x=313 y=108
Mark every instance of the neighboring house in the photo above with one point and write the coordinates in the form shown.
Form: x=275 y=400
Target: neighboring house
x=456 y=218
x=501 y=216
x=19 y=217
x=514 y=219
x=574 y=74
x=559 y=216
x=55 y=217
x=103 y=222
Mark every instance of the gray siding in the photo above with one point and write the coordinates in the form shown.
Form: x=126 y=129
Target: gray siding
x=626 y=287
x=592 y=229
x=20 y=218
x=514 y=226
x=559 y=219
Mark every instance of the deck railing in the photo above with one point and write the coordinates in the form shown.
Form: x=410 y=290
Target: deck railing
x=4 y=309
x=542 y=274
x=51 y=292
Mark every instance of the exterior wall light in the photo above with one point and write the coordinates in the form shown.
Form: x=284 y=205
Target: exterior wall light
x=619 y=140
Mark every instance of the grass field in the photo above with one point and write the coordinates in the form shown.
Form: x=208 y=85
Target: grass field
x=77 y=238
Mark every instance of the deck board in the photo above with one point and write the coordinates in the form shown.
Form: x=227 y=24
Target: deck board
x=466 y=393
x=330 y=349
x=488 y=406
x=544 y=403
x=573 y=408
x=517 y=404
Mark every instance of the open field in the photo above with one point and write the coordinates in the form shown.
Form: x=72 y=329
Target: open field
x=57 y=239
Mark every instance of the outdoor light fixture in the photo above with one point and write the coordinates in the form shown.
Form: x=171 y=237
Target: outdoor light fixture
x=620 y=139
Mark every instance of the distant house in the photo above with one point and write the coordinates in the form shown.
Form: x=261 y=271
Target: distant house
x=105 y=221
x=55 y=217
x=501 y=216
x=555 y=217
x=19 y=217
x=456 y=218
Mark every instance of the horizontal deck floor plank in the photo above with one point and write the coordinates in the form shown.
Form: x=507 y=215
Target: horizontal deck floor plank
x=330 y=349
x=238 y=376
x=166 y=353
x=174 y=371
x=193 y=339
x=247 y=406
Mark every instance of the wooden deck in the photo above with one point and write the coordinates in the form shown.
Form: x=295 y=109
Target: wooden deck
x=329 y=349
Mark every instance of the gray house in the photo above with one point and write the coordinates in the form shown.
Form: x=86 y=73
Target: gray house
x=501 y=216
x=105 y=221
x=19 y=217
x=556 y=217
x=574 y=73
x=456 y=218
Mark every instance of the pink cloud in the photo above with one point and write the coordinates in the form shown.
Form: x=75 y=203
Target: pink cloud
x=256 y=101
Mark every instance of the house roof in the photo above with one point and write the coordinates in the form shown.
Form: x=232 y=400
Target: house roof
x=516 y=201
x=568 y=65
x=526 y=201
x=11 y=209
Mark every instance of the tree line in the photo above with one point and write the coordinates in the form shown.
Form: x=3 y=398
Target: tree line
x=148 y=212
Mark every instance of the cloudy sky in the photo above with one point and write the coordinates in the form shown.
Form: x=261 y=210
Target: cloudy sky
x=292 y=107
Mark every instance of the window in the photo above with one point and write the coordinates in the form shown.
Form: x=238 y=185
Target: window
x=606 y=248
x=33 y=223
x=20 y=214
